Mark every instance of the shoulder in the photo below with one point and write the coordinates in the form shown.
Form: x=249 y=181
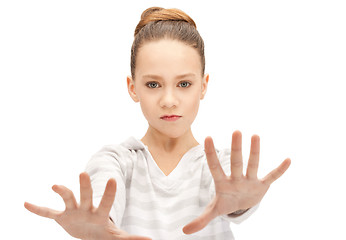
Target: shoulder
x=110 y=151
x=121 y=150
x=123 y=154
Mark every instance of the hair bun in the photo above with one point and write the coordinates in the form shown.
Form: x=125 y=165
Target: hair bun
x=149 y=11
x=155 y=14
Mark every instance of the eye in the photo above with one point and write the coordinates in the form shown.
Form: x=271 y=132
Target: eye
x=184 y=84
x=152 y=85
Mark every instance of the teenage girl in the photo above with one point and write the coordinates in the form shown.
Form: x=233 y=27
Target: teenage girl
x=165 y=185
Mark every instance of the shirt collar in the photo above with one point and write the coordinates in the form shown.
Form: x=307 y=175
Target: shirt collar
x=133 y=143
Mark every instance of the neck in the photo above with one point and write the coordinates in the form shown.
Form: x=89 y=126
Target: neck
x=156 y=140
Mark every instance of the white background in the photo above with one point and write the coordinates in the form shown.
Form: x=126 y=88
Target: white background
x=276 y=69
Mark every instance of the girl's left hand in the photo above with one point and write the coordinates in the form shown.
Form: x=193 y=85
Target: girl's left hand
x=235 y=192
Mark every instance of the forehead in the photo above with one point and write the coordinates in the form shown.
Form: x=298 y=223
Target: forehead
x=166 y=58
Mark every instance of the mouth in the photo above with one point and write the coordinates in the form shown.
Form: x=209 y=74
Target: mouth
x=170 y=117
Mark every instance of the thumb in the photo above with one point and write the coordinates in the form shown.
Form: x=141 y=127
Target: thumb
x=200 y=222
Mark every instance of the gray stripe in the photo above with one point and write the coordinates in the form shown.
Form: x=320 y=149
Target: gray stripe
x=155 y=224
x=165 y=226
x=185 y=175
x=165 y=210
x=144 y=187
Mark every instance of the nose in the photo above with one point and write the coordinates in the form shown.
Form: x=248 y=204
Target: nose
x=169 y=99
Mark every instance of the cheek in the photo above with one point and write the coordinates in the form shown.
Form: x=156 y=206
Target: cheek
x=146 y=106
x=193 y=102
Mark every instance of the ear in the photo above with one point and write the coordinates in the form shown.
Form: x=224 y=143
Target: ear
x=131 y=89
x=204 y=85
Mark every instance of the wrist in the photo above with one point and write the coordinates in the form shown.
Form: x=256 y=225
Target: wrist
x=238 y=212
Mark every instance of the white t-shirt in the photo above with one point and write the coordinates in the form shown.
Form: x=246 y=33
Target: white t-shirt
x=151 y=204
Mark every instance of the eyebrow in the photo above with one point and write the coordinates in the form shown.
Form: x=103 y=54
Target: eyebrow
x=157 y=77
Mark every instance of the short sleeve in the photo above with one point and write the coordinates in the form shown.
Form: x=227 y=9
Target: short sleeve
x=109 y=162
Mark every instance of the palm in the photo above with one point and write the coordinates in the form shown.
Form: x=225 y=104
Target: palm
x=84 y=223
x=237 y=191
x=233 y=195
x=83 y=220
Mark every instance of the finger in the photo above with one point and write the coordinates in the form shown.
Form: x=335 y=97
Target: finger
x=236 y=156
x=276 y=173
x=107 y=198
x=252 y=166
x=213 y=161
x=86 y=191
x=42 y=211
x=67 y=195
x=200 y=222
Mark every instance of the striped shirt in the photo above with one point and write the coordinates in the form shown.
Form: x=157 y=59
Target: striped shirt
x=151 y=204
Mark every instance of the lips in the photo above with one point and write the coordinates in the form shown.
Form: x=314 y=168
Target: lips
x=170 y=117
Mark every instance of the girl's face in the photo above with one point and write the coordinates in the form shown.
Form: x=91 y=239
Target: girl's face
x=168 y=85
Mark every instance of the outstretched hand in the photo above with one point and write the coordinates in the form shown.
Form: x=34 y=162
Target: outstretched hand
x=83 y=220
x=235 y=192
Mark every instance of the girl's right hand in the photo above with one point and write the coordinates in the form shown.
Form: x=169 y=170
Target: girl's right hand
x=83 y=220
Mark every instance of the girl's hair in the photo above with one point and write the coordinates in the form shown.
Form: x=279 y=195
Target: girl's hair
x=158 y=23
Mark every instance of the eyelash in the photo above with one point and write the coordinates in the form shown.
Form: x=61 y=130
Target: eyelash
x=149 y=83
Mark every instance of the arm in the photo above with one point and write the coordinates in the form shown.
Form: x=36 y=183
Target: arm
x=109 y=162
